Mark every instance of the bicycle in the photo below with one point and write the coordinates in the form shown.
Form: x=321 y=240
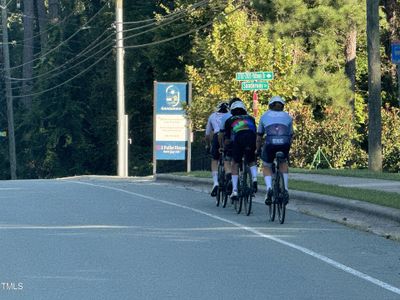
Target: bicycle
x=245 y=189
x=278 y=191
x=221 y=182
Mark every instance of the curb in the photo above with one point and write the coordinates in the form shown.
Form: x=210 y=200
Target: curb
x=392 y=214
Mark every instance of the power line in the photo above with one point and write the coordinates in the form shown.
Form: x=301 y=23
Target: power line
x=155 y=20
x=66 y=81
x=178 y=36
x=153 y=29
x=20 y=42
x=63 y=42
x=88 y=49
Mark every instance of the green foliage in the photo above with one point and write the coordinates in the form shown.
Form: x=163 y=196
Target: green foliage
x=236 y=44
x=391 y=139
x=335 y=134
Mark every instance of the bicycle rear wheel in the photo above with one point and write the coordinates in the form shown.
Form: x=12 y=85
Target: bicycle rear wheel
x=247 y=191
x=280 y=205
x=225 y=193
x=272 y=207
x=221 y=179
x=239 y=201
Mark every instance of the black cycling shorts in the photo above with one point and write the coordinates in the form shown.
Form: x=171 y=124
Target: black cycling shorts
x=269 y=151
x=215 y=147
x=244 y=144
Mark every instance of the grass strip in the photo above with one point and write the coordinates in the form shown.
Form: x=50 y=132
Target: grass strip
x=361 y=173
x=377 y=197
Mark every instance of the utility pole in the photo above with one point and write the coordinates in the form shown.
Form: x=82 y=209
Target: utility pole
x=374 y=88
x=122 y=117
x=9 y=96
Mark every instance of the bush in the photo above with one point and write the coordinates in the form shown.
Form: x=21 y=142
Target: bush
x=391 y=139
x=335 y=134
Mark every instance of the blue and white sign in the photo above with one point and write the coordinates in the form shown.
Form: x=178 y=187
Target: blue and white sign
x=171 y=97
x=171 y=126
x=396 y=52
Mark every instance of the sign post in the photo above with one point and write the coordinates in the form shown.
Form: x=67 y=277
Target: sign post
x=171 y=129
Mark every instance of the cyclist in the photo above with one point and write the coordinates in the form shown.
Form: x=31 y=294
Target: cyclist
x=277 y=126
x=227 y=148
x=212 y=144
x=240 y=131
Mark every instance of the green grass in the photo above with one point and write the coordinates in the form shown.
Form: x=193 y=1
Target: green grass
x=377 y=197
x=350 y=173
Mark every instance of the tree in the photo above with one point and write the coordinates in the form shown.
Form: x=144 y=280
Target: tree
x=237 y=43
x=374 y=88
x=28 y=52
x=42 y=22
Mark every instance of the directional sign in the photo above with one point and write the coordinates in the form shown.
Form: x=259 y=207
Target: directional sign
x=245 y=76
x=396 y=52
x=254 y=85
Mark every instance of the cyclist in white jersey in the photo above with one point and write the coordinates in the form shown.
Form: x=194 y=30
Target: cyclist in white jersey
x=213 y=127
x=277 y=126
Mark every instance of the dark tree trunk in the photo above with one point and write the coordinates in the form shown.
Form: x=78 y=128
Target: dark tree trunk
x=42 y=21
x=54 y=11
x=350 y=67
x=28 y=52
x=374 y=88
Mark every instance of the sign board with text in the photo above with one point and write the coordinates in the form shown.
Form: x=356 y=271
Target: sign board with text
x=255 y=85
x=171 y=125
x=251 y=76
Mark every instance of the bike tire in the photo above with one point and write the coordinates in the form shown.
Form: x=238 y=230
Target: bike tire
x=225 y=195
x=239 y=201
x=221 y=176
x=272 y=207
x=280 y=205
x=247 y=191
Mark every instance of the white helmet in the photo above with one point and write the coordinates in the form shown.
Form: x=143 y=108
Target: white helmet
x=276 y=99
x=238 y=104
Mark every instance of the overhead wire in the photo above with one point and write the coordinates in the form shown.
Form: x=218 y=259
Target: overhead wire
x=63 y=42
x=93 y=45
x=128 y=47
x=66 y=81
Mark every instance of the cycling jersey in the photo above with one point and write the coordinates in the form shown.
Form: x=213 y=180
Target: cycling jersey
x=277 y=126
x=216 y=121
x=239 y=124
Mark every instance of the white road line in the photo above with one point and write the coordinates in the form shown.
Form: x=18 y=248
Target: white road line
x=266 y=236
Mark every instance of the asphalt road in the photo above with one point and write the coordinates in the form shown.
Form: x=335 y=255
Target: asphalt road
x=139 y=239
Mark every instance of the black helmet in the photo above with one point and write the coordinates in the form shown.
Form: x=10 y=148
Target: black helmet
x=222 y=107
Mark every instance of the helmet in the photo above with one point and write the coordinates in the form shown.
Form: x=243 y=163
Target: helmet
x=233 y=100
x=275 y=99
x=238 y=104
x=222 y=107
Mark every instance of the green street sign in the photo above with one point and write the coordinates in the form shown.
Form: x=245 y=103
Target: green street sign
x=243 y=76
x=3 y=133
x=254 y=85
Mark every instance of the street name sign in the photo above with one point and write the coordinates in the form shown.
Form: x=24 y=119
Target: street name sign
x=254 y=85
x=246 y=76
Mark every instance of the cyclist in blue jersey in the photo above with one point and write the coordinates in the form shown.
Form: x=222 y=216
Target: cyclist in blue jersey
x=240 y=132
x=214 y=124
x=277 y=126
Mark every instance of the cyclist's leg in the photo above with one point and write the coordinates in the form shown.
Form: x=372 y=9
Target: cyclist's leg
x=250 y=149
x=267 y=156
x=214 y=164
x=237 y=154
